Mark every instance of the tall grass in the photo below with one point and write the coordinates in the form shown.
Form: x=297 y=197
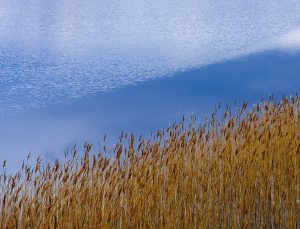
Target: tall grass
x=240 y=169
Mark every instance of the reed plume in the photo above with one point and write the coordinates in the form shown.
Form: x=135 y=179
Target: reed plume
x=238 y=169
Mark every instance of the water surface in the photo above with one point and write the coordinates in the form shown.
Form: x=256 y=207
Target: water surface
x=61 y=50
x=72 y=71
x=148 y=106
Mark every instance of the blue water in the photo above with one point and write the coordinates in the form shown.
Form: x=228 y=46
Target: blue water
x=61 y=50
x=74 y=70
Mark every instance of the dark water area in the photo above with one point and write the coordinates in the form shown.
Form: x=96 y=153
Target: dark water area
x=155 y=103
x=148 y=106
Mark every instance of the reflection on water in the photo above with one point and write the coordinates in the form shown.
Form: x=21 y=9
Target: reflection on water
x=60 y=50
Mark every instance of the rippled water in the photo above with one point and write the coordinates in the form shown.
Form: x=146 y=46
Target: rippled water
x=61 y=50
x=65 y=64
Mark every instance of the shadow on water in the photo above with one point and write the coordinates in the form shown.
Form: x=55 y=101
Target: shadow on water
x=154 y=104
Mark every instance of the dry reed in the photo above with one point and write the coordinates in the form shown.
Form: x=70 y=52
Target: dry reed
x=240 y=169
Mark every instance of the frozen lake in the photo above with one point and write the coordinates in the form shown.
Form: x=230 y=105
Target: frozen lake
x=71 y=71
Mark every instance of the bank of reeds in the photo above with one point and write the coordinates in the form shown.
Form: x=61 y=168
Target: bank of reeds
x=240 y=169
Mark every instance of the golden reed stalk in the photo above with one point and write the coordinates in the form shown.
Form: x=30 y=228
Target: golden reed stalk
x=237 y=170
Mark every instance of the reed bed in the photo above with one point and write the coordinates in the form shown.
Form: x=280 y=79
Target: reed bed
x=238 y=169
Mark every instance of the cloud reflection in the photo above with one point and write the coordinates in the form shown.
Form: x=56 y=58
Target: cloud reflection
x=53 y=51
